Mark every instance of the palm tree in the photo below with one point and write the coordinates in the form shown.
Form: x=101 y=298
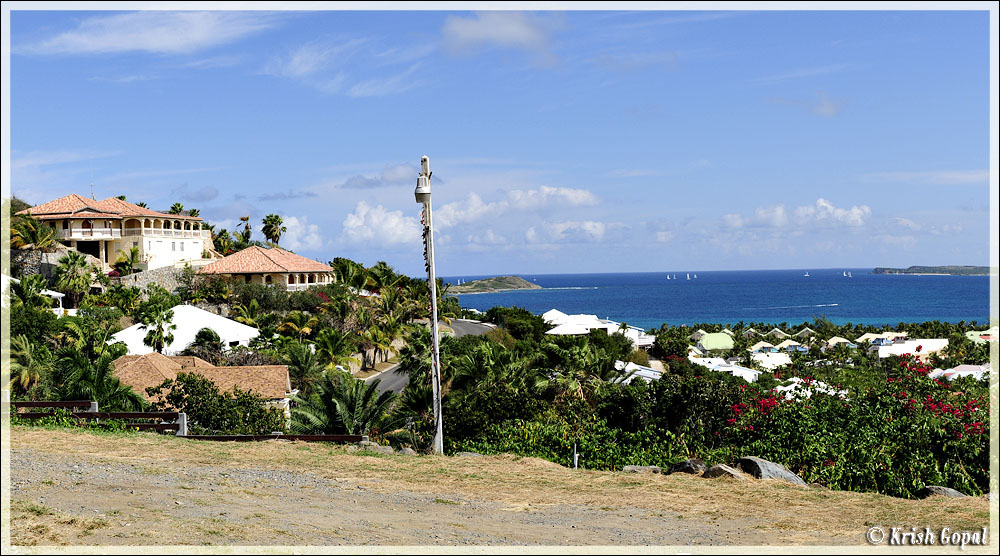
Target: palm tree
x=73 y=275
x=28 y=232
x=156 y=320
x=176 y=208
x=28 y=291
x=141 y=204
x=223 y=241
x=272 y=228
x=298 y=323
x=194 y=212
x=334 y=347
x=343 y=404
x=94 y=380
x=304 y=367
x=128 y=260
x=28 y=363
x=245 y=234
x=248 y=314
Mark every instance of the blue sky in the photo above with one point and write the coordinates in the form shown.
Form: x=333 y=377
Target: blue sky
x=560 y=141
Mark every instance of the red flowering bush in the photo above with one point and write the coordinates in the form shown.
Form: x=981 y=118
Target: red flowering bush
x=894 y=438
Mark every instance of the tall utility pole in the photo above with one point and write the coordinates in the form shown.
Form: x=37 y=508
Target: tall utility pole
x=423 y=196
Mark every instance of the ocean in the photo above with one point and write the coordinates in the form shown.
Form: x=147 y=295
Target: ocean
x=648 y=299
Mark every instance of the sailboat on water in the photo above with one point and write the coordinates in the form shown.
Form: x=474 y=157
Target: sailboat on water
x=849 y=275
x=689 y=275
x=695 y=276
x=807 y=273
x=668 y=276
x=845 y=274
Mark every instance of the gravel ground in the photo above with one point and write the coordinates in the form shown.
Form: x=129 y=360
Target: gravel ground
x=59 y=499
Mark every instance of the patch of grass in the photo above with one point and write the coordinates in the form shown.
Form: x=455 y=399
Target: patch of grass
x=446 y=501
x=49 y=482
x=35 y=508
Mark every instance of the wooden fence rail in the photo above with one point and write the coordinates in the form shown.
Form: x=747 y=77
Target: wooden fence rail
x=177 y=422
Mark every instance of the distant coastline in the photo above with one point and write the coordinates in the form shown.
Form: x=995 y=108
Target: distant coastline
x=493 y=285
x=936 y=270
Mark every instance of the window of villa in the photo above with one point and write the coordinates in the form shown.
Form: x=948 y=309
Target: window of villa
x=173 y=245
x=65 y=224
x=182 y=246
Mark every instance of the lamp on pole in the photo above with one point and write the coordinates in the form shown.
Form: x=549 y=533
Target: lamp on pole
x=423 y=196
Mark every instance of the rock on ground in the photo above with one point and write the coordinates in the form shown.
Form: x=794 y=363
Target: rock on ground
x=763 y=469
x=724 y=471
x=693 y=466
x=934 y=490
x=641 y=469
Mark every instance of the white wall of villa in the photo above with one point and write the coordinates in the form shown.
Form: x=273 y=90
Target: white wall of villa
x=161 y=241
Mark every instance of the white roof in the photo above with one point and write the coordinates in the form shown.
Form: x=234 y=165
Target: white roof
x=787 y=343
x=189 y=321
x=570 y=329
x=633 y=371
x=837 y=340
x=554 y=316
x=760 y=345
x=772 y=361
x=926 y=345
x=8 y=279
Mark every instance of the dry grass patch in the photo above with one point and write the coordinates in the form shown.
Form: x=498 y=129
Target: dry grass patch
x=523 y=483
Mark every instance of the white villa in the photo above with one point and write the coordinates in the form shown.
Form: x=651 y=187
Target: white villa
x=572 y=325
x=102 y=228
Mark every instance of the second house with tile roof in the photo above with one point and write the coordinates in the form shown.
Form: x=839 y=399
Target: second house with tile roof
x=272 y=266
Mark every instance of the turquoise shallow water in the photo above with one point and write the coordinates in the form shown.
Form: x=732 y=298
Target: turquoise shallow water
x=648 y=299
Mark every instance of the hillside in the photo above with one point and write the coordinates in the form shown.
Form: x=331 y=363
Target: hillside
x=78 y=487
x=492 y=285
x=950 y=269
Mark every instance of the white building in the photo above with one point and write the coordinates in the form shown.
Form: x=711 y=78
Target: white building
x=576 y=325
x=103 y=228
x=917 y=347
x=189 y=320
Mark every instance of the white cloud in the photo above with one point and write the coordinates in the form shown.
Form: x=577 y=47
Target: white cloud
x=161 y=32
x=777 y=217
x=474 y=209
x=314 y=57
x=301 y=234
x=346 y=67
x=825 y=211
x=36 y=159
x=664 y=237
x=377 y=226
x=471 y=209
x=396 y=174
x=517 y=30
x=545 y=196
x=907 y=223
x=382 y=86
x=946 y=177
x=802 y=72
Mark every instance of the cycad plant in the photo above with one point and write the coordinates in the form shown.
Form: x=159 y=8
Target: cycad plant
x=86 y=379
x=342 y=404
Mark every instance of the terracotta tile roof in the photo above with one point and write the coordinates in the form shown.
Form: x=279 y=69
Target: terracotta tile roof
x=256 y=259
x=151 y=369
x=76 y=206
x=268 y=381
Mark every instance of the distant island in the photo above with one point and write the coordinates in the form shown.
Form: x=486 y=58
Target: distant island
x=950 y=270
x=493 y=285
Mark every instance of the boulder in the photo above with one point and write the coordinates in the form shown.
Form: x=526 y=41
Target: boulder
x=724 y=471
x=641 y=469
x=933 y=490
x=693 y=466
x=378 y=448
x=407 y=452
x=763 y=469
